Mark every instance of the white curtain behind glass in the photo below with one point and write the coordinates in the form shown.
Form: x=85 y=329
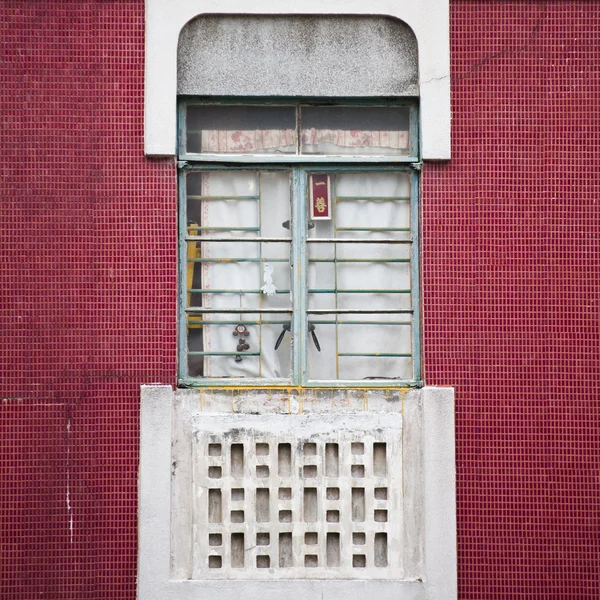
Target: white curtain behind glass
x=360 y=211
x=364 y=276
x=273 y=188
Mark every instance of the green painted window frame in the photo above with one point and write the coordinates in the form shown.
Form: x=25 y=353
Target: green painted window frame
x=301 y=166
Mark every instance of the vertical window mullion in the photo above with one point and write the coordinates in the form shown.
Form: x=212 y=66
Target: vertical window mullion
x=182 y=129
x=183 y=283
x=299 y=275
x=415 y=279
x=414 y=132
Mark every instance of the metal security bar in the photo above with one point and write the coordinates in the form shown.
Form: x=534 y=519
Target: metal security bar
x=358 y=311
x=241 y=311
x=357 y=241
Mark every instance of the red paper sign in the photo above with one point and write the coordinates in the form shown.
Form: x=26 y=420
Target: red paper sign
x=320 y=197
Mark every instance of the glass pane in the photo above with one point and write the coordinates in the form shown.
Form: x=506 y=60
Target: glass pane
x=376 y=130
x=227 y=270
x=369 y=271
x=241 y=129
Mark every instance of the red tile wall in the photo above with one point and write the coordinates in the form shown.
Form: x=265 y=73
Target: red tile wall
x=510 y=275
x=511 y=280
x=87 y=295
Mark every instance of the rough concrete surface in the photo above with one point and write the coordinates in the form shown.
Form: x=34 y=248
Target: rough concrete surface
x=297 y=56
x=253 y=487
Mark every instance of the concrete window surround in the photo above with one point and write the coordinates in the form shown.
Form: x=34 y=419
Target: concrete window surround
x=234 y=442
x=428 y=19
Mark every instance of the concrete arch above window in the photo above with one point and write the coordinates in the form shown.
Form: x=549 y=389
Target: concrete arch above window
x=297 y=55
x=316 y=48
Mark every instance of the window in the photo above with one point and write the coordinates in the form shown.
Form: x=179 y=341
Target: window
x=299 y=244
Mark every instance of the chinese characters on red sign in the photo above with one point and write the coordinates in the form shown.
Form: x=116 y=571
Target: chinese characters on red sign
x=320 y=197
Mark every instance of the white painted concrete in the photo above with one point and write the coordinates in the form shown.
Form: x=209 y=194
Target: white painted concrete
x=439 y=493
x=176 y=428
x=154 y=488
x=316 y=497
x=429 y=20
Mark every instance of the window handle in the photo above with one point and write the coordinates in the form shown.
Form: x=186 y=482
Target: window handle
x=311 y=329
x=287 y=326
x=286 y=224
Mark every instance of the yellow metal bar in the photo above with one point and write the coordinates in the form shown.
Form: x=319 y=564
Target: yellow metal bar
x=193 y=251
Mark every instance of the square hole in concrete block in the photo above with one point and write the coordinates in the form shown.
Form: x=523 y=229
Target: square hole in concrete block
x=381 y=493
x=262 y=449
x=357 y=471
x=310 y=449
x=285 y=516
x=215 y=539
x=333 y=493
x=381 y=516
x=359 y=538
x=214 y=472
x=285 y=493
x=358 y=448
x=311 y=560
x=359 y=560
x=263 y=561
x=237 y=494
x=262 y=471
x=311 y=538
x=310 y=471
x=333 y=516
x=263 y=539
x=237 y=516
x=214 y=449
x=215 y=562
